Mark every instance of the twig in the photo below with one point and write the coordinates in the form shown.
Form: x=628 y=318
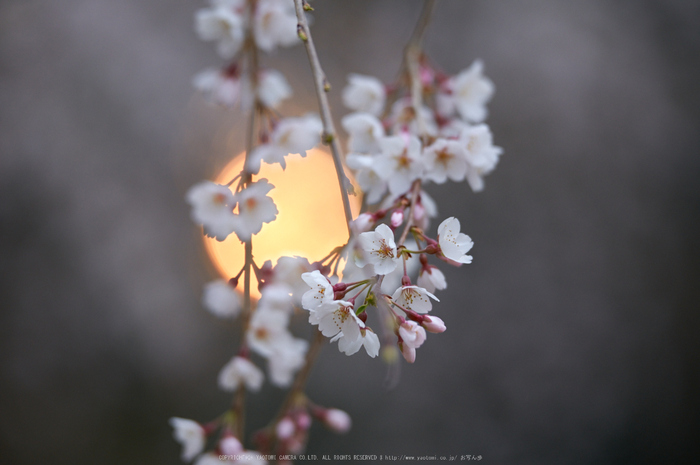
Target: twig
x=322 y=87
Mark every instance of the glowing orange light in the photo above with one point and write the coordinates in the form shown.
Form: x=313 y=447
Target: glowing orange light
x=310 y=222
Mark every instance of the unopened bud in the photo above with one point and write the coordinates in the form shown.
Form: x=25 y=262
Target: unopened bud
x=307 y=7
x=328 y=138
x=337 y=420
x=233 y=282
x=340 y=287
x=326 y=85
x=433 y=324
x=230 y=445
x=285 y=428
x=301 y=33
x=396 y=218
x=432 y=248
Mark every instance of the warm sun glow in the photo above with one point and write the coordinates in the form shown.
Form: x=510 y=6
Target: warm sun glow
x=310 y=222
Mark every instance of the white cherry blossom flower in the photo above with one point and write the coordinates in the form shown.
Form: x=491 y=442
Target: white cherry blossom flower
x=362 y=223
x=371 y=182
x=275 y=23
x=212 y=206
x=190 y=435
x=273 y=88
x=414 y=298
x=364 y=93
x=291 y=135
x=288 y=270
x=321 y=290
x=223 y=25
x=364 y=130
x=267 y=328
x=453 y=243
x=380 y=250
x=431 y=278
x=481 y=156
x=468 y=93
x=276 y=296
x=218 y=86
x=255 y=207
x=286 y=358
x=445 y=159
x=221 y=299
x=367 y=338
x=336 y=317
x=404 y=118
x=240 y=371
x=399 y=162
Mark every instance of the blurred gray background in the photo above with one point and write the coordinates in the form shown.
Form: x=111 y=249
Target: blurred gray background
x=572 y=338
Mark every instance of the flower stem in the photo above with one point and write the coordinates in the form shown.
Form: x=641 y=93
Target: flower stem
x=329 y=135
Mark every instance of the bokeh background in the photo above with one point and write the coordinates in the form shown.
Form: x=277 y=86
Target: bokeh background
x=572 y=338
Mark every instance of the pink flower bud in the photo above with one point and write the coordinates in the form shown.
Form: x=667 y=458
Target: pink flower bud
x=337 y=420
x=412 y=334
x=396 y=218
x=408 y=352
x=285 y=428
x=230 y=445
x=433 y=324
x=303 y=421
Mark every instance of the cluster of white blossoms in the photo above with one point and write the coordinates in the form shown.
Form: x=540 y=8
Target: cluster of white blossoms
x=427 y=127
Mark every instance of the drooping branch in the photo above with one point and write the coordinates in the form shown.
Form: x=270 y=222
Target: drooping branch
x=322 y=86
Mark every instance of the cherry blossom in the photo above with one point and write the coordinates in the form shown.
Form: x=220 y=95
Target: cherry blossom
x=321 y=290
x=364 y=130
x=365 y=94
x=254 y=209
x=380 y=250
x=240 y=371
x=218 y=86
x=190 y=435
x=445 y=159
x=482 y=156
x=212 y=206
x=291 y=135
x=431 y=278
x=275 y=24
x=368 y=339
x=221 y=299
x=335 y=317
x=273 y=88
x=371 y=182
x=467 y=93
x=400 y=162
x=414 y=298
x=285 y=359
x=454 y=244
x=223 y=25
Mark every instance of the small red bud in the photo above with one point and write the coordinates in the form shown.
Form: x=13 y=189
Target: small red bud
x=432 y=248
x=233 y=282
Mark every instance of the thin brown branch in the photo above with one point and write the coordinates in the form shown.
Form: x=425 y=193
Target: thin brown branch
x=329 y=135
